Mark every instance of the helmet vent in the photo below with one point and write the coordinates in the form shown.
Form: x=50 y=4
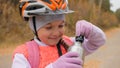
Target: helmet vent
x=34 y=7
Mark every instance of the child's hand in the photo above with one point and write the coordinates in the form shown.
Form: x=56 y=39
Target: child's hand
x=69 y=60
x=94 y=35
x=83 y=28
x=87 y=29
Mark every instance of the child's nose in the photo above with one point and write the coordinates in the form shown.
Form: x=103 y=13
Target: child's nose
x=57 y=32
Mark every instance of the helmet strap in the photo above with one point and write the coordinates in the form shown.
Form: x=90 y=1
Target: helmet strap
x=59 y=48
x=35 y=29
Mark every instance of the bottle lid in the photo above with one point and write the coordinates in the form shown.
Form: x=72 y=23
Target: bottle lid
x=79 y=38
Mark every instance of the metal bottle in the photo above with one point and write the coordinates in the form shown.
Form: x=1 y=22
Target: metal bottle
x=77 y=47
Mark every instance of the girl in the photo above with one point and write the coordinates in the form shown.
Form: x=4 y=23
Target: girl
x=49 y=47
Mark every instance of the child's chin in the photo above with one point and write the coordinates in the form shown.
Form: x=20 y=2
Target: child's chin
x=53 y=44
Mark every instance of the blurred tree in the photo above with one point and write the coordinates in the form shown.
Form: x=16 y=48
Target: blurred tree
x=14 y=2
x=91 y=10
x=100 y=5
x=104 y=4
x=117 y=13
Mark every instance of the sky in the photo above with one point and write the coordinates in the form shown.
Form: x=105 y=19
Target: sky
x=115 y=5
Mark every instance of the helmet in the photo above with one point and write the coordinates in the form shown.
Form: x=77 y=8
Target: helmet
x=30 y=8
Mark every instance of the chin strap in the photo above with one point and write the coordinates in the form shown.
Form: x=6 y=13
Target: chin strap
x=35 y=29
x=59 y=48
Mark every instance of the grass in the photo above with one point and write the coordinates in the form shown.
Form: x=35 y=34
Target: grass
x=6 y=50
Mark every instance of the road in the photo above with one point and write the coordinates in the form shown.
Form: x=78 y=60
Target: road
x=5 y=61
x=107 y=56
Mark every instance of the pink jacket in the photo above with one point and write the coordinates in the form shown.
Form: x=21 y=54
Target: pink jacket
x=91 y=43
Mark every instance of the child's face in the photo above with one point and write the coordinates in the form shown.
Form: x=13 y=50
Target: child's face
x=51 y=33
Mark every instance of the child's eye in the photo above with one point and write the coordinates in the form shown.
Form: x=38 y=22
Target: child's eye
x=61 y=26
x=48 y=28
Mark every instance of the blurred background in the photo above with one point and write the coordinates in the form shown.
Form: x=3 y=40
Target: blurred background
x=103 y=13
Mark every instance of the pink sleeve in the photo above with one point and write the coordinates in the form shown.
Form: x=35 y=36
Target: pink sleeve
x=20 y=61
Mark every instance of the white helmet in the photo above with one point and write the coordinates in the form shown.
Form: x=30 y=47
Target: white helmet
x=30 y=8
